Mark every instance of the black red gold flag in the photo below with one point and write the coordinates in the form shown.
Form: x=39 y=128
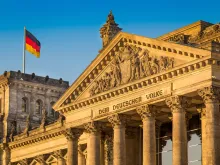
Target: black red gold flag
x=32 y=45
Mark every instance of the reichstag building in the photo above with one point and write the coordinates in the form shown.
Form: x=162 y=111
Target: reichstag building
x=141 y=101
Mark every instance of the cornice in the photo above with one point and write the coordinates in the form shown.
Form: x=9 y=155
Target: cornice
x=38 y=135
x=34 y=86
x=105 y=57
x=185 y=28
x=190 y=67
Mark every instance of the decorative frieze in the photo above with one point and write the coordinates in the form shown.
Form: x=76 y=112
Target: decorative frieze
x=208 y=32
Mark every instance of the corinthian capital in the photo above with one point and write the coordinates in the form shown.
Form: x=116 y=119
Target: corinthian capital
x=147 y=111
x=209 y=94
x=72 y=133
x=178 y=103
x=93 y=127
x=118 y=120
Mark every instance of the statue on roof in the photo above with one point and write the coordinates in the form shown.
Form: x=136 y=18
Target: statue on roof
x=109 y=30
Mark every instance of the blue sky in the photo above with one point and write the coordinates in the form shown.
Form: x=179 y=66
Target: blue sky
x=69 y=30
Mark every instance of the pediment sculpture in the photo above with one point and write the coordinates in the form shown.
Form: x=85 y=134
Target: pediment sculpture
x=129 y=64
x=209 y=31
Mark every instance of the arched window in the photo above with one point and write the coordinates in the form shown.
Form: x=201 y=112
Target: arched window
x=39 y=106
x=24 y=104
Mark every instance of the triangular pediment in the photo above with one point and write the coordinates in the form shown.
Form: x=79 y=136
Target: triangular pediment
x=126 y=59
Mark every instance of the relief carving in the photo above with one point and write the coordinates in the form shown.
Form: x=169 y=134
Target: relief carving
x=180 y=38
x=129 y=64
x=209 y=31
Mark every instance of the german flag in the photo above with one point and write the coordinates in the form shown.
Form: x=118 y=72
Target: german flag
x=32 y=45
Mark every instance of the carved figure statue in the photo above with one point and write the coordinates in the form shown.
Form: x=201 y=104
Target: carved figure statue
x=154 y=65
x=13 y=130
x=145 y=65
x=135 y=67
x=44 y=118
x=28 y=124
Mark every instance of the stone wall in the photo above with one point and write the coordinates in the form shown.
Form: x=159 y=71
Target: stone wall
x=28 y=96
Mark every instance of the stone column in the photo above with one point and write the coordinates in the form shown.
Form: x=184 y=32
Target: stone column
x=59 y=155
x=72 y=136
x=5 y=154
x=118 y=122
x=178 y=104
x=131 y=145
x=81 y=156
x=147 y=114
x=211 y=130
x=93 y=148
x=202 y=112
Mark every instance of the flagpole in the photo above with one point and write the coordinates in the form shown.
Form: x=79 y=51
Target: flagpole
x=24 y=50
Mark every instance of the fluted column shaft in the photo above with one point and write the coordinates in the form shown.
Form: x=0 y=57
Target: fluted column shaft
x=72 y=136
x=147 y=114
x=93 y=149
x=119 y=153
x=179 y=134
x=211 y=126
x=81 y=157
